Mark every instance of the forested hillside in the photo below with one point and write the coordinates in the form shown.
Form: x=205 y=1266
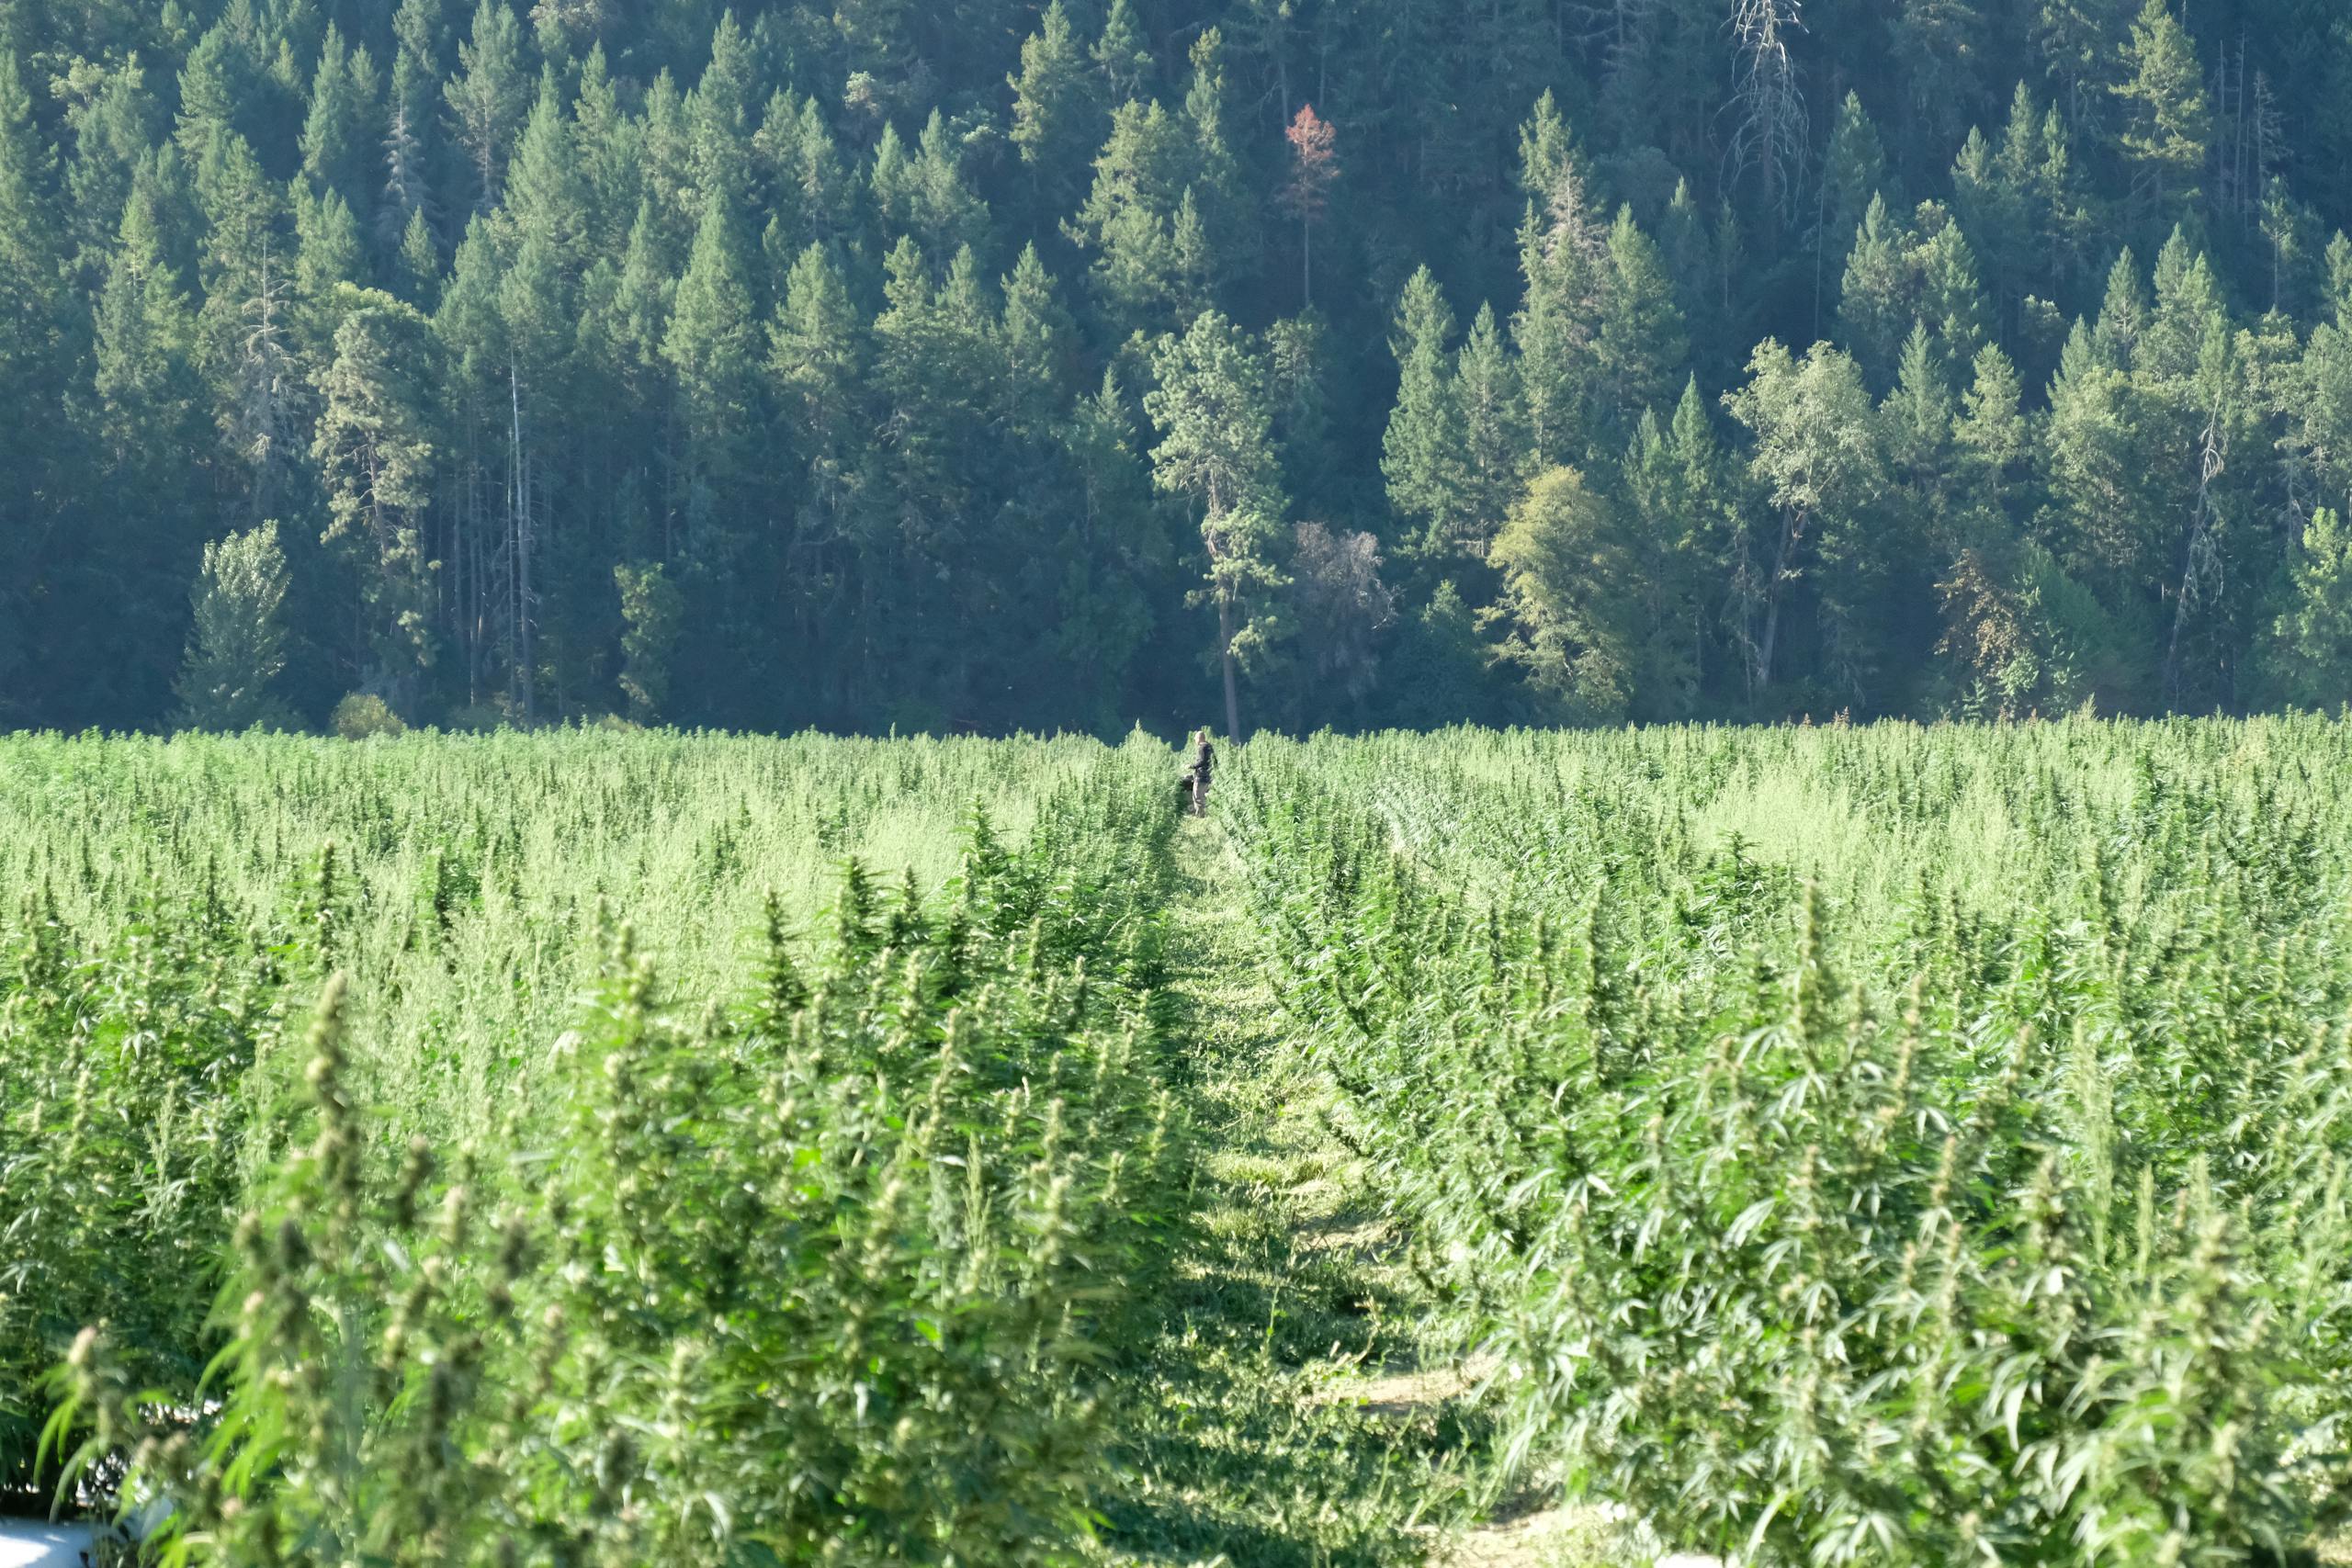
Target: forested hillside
x=984 y=364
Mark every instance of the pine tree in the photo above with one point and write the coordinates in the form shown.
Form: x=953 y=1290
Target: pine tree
x=1215 y=446
x=1991 y=432
x=1875 y=303
x=1494 y=433
x=2079 y=42
x=418 y=264
x=945 y=214
x=719 y=115
x=1215 y=175
x=488 y=97
x=1037 y=340
x=1853 y=175
x=2166 y=122
x=1938 y=44
x=1052 y=110
x=1120 y=55
x=817 y=353
x=340 y=129
x=111 y=123
x=2308 y=661
x=1951 y=296
x=1422 y=454
x=1126 y=221
x=1641 y=346
x=237 y=647
x=327 y=254
x=652 y=610
x=1314 y=165
x=547 y=192
x=710 y=347
x=375 y=449
x=217 y=80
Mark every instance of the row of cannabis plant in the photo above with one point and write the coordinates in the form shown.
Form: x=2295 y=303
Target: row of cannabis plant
x=821 y=1273
x=1965 y=1180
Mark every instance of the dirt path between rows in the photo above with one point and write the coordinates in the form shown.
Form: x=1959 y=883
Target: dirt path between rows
x=1284 y=1416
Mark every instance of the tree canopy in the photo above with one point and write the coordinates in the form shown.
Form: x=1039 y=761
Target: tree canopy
x=997 y=365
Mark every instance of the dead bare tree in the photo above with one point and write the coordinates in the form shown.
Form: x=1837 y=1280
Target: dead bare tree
x=1769 y=137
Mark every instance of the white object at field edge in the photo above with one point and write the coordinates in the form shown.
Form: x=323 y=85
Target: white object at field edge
x=31 y=1543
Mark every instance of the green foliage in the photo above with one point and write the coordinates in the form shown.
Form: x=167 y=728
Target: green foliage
x=1566 y=580
x=609 y=212
x=651 y=604
x=1844 y=1149
x=238 y=644
x=2309 y=658
x=362 y=715
x=860 y=1230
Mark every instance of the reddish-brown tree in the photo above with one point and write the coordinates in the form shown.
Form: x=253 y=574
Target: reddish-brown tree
x=1315 y=163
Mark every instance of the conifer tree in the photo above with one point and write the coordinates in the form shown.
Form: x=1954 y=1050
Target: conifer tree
x=651 y=608
x=719 y=115
x=1422 y=454
x=1875 y=301
x=2308 y=661
x=488 y=98
x=1119 y=54
x=374 y=448
x=1215 y=446
x=2167 y=121
x=1640 y=344
x=1314 y=165
x=710 y=347
x=1493 y=430
x=237 y=646
x=1052 y=110
x=339 y=134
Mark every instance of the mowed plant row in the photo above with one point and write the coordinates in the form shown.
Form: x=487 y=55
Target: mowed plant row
x=1892 y=1144
x=1884 y=1145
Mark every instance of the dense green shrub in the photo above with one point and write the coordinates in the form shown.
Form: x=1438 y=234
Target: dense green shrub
x=363 y=714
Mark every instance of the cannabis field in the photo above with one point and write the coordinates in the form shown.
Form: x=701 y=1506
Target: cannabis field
x=1893 y=1144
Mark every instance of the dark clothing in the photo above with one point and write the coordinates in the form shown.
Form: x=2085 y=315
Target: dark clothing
x=1203 y=762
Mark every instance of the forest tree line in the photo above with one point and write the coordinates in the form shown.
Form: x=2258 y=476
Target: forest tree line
x=987 y=365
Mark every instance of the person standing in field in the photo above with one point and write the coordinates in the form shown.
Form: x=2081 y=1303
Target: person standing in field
x=1204 y=761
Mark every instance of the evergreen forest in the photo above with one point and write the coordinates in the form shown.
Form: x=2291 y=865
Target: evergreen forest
x=989 y=365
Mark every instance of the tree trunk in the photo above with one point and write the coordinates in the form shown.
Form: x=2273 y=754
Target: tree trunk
x=523 y=671
x=1225 y=652
x=1792 y=531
